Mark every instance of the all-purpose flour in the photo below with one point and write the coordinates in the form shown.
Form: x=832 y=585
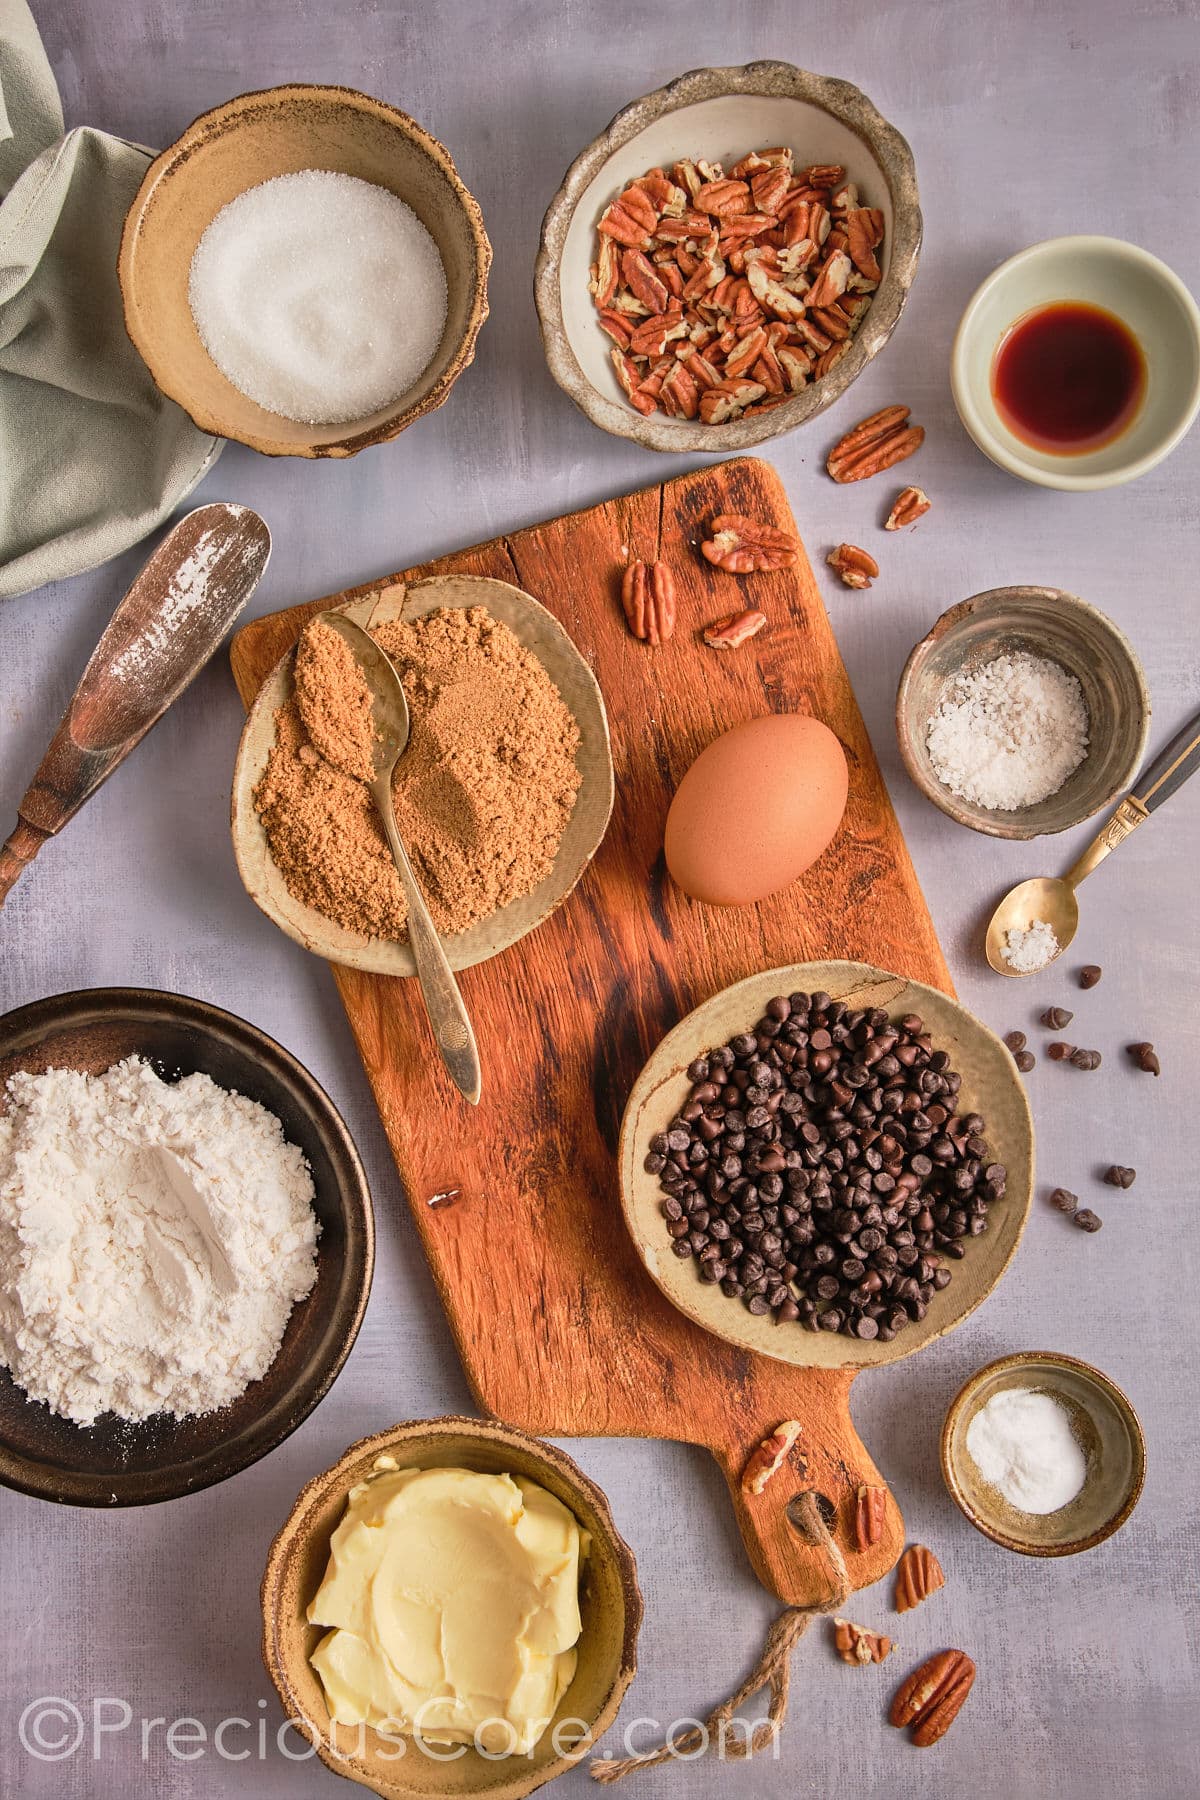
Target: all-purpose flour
x=154 y=1238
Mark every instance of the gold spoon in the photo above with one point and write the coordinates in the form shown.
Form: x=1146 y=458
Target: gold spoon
x=390 y=716
x=1046 y=897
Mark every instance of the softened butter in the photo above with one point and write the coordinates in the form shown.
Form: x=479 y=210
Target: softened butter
x=453 y=1602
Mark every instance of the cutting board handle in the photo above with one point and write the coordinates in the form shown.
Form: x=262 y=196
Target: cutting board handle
x=829 y=1457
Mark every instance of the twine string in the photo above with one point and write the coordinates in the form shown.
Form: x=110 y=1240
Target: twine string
x=772 y=1671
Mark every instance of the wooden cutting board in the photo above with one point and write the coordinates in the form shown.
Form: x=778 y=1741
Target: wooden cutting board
x=559 y=1328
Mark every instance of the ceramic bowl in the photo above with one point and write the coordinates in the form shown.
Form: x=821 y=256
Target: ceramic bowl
x=720 y=114
x=540 y=632
x=249 y=140
x=114 y=1463
x=1049 y=623
x=990 y=1086
x=1122 y=279
x=1107 y=1429
x=610 y=1608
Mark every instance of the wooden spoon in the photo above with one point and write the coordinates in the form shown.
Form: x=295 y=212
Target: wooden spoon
x=163 y=632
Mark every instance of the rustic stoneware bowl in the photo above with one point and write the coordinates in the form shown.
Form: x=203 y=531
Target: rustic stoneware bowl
x=610 y=1608
x=990 y=1085
x=720 y=114
x=1122 y=279
x=114 y=1463
x=1108 y=1431
x=249 y=140
x=1049 y=623
x=539 y=632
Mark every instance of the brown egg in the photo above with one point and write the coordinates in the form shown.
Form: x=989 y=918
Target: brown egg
x=756 y=808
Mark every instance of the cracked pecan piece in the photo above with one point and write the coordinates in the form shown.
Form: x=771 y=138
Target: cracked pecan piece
x=648 y=601
x=734 y=629
x=870 y=1507
x=858 y=1646
x=932 y=1696
x=856 y=567
x=875 y=444
x=918 y=1574
x=740 y=545
x=767 y=1458
x=910 y=504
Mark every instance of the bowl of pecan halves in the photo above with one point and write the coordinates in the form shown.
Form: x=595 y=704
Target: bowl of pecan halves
x=724 y=260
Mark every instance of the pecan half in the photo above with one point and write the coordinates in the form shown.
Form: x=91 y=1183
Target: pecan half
x=630 y=219
x=740 y=545
x=734 y=629
x=870 y=1506
x=874 y=444
x=931 y=1698
x=856 y=567
x=648 y=600
x=918 y=1575
x=769 y=1457
x=857 y=1646
x=910 y=504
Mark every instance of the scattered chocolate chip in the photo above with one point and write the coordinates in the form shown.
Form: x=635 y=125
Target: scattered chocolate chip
x=1015 y=1041
x=1064 y=1199
x=1057 y=1018
x=1089 y=975
x=1087 y=1220
x=1086 y=1059
x=1025 y=1060
x=1119 y=1176
x=1060 y=1052
x=1145 y=1058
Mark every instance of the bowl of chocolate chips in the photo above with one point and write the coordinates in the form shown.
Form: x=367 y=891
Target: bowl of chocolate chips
x=827 y=1164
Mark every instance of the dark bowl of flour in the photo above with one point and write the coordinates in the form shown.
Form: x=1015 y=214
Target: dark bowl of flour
x=188 y=1246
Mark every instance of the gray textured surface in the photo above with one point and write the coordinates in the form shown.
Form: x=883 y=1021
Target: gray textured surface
x=1026 y=120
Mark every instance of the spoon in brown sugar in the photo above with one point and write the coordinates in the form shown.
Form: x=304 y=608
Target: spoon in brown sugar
x=167 y=627
x=1049 y=898
x=390 y=717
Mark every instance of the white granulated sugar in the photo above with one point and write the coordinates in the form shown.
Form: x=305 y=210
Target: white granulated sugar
x=1022 y=1443
x=1009 y=733
x=1030 y=948
x=320 y=296
x=154 y=1238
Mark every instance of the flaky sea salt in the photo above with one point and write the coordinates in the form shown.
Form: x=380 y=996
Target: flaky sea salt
x=1008 y=734
x=318 y=295
x=1030 y=949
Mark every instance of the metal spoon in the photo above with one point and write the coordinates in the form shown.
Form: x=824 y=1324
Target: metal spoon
x=1053 y=900
x=390 y=715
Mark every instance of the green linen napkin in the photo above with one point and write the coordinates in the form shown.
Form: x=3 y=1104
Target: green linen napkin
x=92 y=456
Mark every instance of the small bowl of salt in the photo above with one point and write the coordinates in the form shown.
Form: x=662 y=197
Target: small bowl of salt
x=304 y=271
x=1022 y=712
x=1043 y=1453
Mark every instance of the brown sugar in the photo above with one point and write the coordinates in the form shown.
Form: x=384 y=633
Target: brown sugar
x=482 y=795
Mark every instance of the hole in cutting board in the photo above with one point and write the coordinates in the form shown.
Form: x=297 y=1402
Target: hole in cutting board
x=795 y=1516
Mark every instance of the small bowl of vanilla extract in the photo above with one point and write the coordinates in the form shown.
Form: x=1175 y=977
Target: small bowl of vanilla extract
x=1077 y=363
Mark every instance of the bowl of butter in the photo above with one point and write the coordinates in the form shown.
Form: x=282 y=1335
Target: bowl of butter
x=451 y=1610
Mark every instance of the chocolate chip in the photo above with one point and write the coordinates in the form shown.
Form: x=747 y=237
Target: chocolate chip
x=1025 y=1060
x=1145 y=1058
x=1089 y=975
x=1119 y=1176
x=1060 y=1052
x=1087 y=1220
x=1085 y=1059
x=1015 y=1041
x=1056 y=1018
x=1064 y=1199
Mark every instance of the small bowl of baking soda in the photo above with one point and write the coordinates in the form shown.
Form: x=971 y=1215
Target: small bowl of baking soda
x=1022 y=712
x=1043 y=1453
x=304 y=271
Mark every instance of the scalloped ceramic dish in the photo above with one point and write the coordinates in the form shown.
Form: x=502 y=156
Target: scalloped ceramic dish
x=990 y=1085
x=719 y=114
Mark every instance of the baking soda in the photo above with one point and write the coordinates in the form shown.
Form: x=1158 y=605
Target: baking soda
x=319 y=296
x=1022 y=1443
x=1008 y=734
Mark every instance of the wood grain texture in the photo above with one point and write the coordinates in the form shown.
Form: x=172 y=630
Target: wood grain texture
x=559 y=1328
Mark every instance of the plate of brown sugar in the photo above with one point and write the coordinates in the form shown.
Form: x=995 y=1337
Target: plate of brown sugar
x=503 y=795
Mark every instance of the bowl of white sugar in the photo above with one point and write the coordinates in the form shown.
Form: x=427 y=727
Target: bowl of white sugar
x=1043 y=1454
x=1024 y=711
x=186 y=1246
x=304 y=271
